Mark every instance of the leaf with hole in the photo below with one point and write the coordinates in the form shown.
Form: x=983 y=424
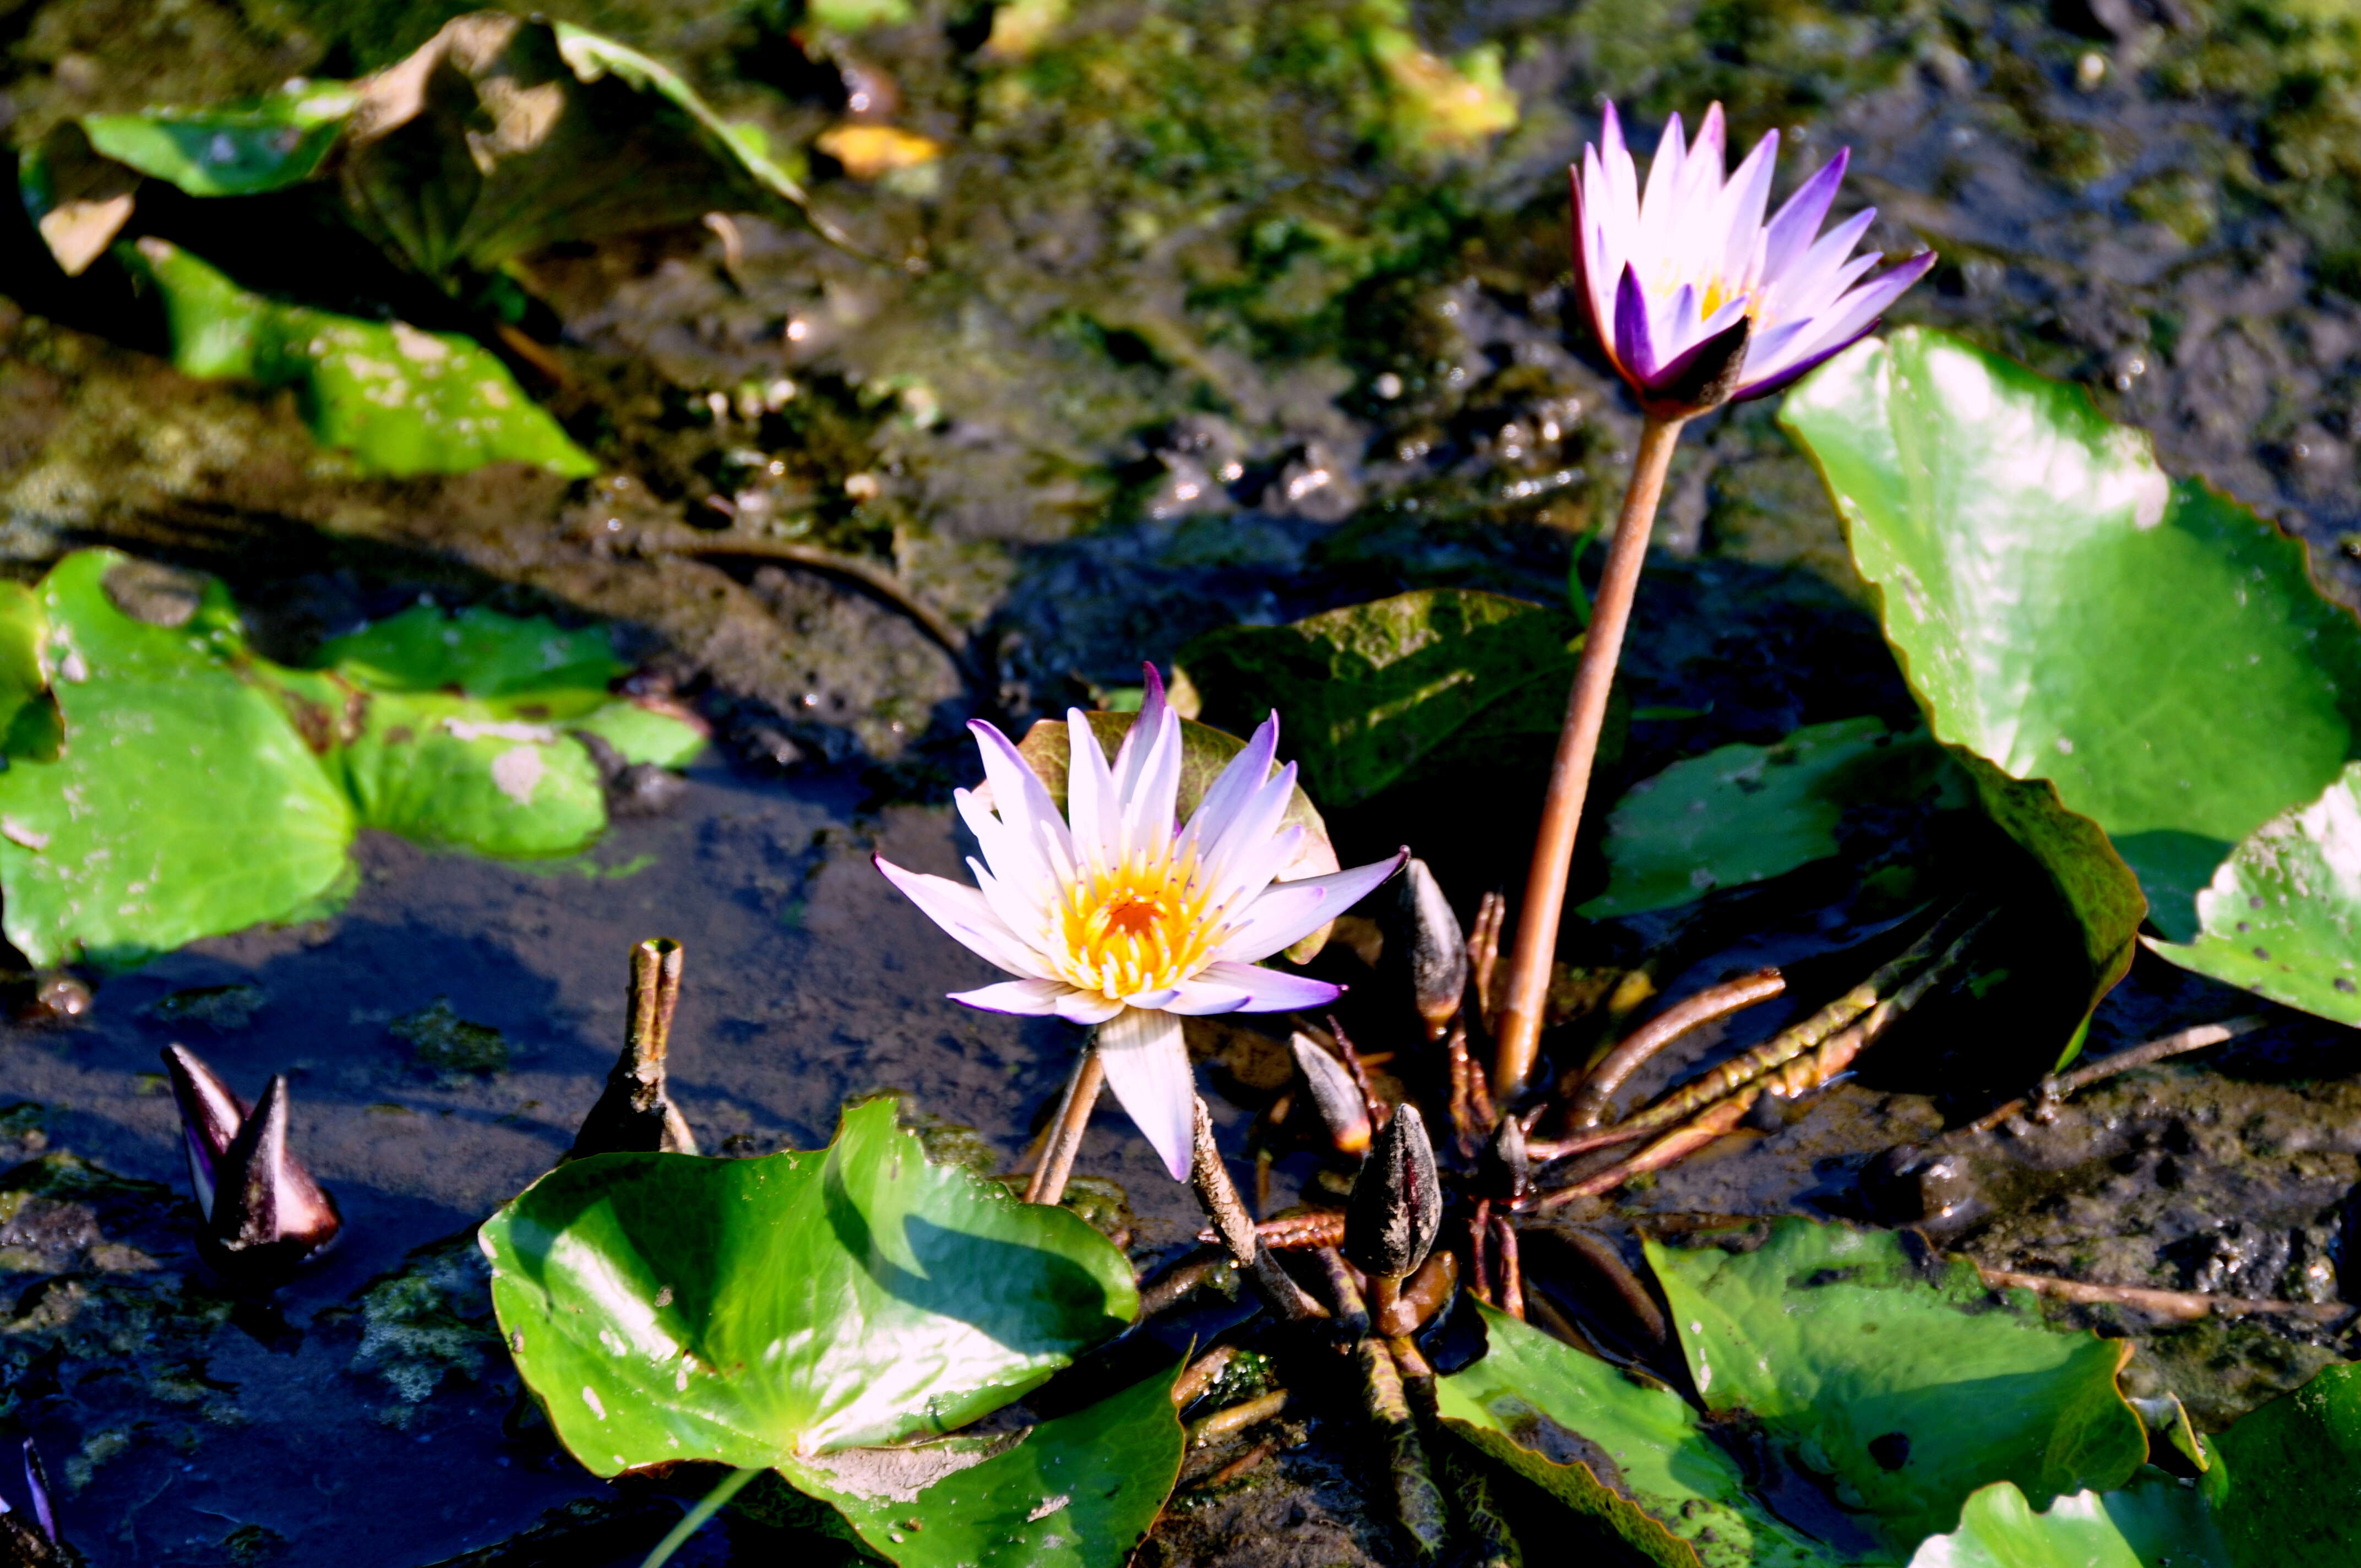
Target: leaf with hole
x=1906 y=1384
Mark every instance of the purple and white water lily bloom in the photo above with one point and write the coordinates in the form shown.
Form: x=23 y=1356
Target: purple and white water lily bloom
x=1117 y=915
x=1695 y=298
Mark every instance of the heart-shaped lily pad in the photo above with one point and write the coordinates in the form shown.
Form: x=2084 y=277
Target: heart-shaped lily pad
x=1743 y=814
x=1627 y=1454
x=1076 y=1492
x=764 y=1312
x=2067 y=612
x=1905 y=1381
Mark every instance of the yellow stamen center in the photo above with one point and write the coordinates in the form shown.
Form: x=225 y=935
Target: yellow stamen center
x=1142 y=927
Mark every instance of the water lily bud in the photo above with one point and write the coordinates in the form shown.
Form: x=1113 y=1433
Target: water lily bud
x=1502 y=1170
x=1397 y=1203
x=1335 y=1094
x=264 y=1214
x=1438 y=948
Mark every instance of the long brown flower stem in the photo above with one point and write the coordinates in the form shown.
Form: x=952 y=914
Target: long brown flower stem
x=1049 y=1183
x=1526 y=992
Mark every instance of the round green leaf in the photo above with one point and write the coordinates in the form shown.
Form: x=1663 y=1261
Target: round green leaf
x=2283 y=916
x=2158 y=1521
x=1076 y=1492
x=479 y=652
x=1630 y=1456
x=445 y=770
x=184 y=804
x=1910 y=1388
x=1743 y=814
x=760 y=1311
x=2068 y=612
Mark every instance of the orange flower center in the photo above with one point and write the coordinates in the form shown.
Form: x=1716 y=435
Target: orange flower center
x=1141 y=927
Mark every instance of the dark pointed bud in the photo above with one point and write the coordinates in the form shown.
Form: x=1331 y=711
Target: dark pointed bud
x=210 y=1115
x=1503 y=1173
x=1438 y=948
x=635 y=1113
x=1397 y=1203
x=269 y=1215
x=1702 y=378
x=1335 y=1094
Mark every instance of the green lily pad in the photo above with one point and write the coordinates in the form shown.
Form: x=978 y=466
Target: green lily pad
x=1204 y=752
x=762 y=1312
x=1908 y=1387
x=237 y=149
x=2158 y=1521
x=477 y=650
x=1744 y=813
x=2294 y=1471
x=2068 y=612
x=1374 y=693
x=184 y=804
x=2283 y=916
x=166 y=783
x=1630 y=1456
x=1076 y=1492
x=400 y=400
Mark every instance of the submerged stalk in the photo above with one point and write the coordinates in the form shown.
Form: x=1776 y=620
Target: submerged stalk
x=1526 y=991
x=695 y=1519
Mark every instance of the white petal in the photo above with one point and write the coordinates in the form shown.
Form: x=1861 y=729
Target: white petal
x=1145 y=727
x=1024 y=917
x=1033 y=998
x=1093 y=810
x=1147 y=1067
x=1014 y=856
x=1087 y=1007
x=1154 y=791
x=963 y=912
x=1290 y=911
x=1245 y=851
x=1017 y=792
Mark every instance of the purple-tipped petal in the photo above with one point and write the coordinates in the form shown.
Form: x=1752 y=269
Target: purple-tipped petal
x=1148 y=1066
x=1264 y=989
x=1633 y=344
x=1086 y=1007
x=1026 y=998
x=1798 y=218
x=1290 y=911
x=36 y=1482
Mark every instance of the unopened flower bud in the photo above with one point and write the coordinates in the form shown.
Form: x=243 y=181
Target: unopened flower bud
x=264 y=1214
x=1397 y=1203
x=1437 y=948
x=1334 y=1093
x=1502 y=1170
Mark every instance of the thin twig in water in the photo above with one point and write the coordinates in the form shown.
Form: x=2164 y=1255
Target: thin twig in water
x=2065 y=1086
x=695 y=543
x=1223 y=1424
x=2184 y=1305
x=1484 y=952
x=1592 y=1095
x=1295 y=1232
x=1242 y=1464
x=1235 y=1228
x=1073 y=1119
x=1176 y=1285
